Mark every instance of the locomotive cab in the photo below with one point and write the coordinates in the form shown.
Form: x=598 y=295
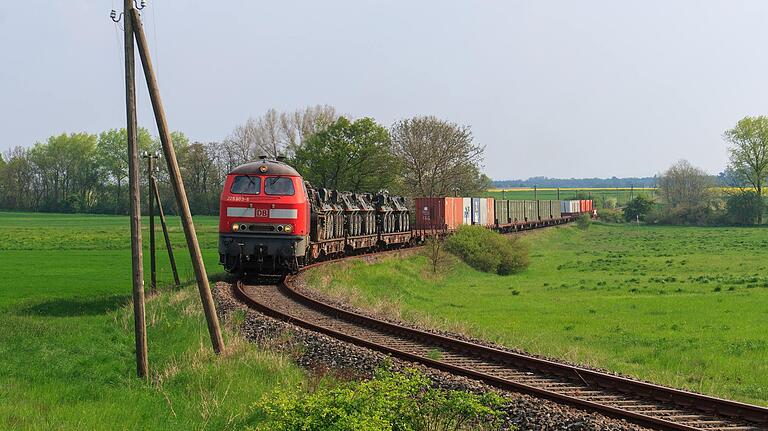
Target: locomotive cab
x=263 y=219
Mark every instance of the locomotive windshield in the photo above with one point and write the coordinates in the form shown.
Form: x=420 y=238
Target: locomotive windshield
x=247 y=185
x=282 y=186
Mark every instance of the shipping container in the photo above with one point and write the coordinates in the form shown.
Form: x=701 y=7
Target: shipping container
x=475 y=210
x=491 y=218
x=544 y=210
x=565 y=207
x=454 y=212
x=466 y=210
x=555 y=205
x=582 y=206
x=483 y=208
x=501 y=211
x=430 y=213
x=531 y=211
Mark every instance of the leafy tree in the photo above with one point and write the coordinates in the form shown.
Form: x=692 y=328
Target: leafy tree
x=349 y=156
x=745 y=208
x=749 y=151
x=112 y=157
x=67 y=171
x=637 y=208
x=438 y=157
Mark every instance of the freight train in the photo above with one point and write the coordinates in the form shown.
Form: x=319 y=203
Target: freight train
x=271 y=221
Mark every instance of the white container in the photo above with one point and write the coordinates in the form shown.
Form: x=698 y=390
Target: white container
x=467 y=208
x=575 y=207
x=475 y=210
x=483 y=212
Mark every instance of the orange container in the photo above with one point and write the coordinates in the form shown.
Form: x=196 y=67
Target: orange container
x=454 y=212
x=491 y=212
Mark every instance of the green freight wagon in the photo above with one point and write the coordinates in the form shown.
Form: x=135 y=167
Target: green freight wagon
x=501 y=211
x=545 y=213
x=531 y=211
x=556 y=206
x=516 y=211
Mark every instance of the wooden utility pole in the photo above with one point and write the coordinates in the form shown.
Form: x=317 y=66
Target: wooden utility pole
x=178 y=187
x=168 y=246
x=151 y=199
x=140 y=326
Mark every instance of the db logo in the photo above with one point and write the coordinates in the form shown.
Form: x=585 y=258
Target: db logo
x=261 y=213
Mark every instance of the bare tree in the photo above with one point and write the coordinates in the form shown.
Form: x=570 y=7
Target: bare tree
x=275 y=133
x=438 y=157
x=684 y=184
x=434 y=251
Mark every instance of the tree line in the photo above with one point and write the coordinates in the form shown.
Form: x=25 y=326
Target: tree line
x=88 y=173
x=687 y=194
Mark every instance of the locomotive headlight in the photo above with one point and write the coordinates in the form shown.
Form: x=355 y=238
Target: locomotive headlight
x=288 y=228
x=235 y=227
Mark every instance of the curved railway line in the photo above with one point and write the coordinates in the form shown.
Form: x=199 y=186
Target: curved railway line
x=638 y=402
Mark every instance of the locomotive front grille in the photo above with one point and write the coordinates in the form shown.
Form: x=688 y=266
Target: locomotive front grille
x=258 y=227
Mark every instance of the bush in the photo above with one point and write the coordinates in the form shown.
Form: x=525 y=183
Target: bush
x=695 y=215
x=488 y=251
x=745 y=208
x=610 y=215
x=402 y=401
x=583 y=221
x=637 y=208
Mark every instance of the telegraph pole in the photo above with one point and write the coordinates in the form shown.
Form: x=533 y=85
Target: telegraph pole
x=140 y=326
x=196 y=256
x=168 y=245
x=151 y=198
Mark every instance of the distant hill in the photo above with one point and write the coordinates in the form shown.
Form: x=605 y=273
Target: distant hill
x=577 y=182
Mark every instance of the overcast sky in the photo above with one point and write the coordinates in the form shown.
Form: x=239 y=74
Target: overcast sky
x=552 y=88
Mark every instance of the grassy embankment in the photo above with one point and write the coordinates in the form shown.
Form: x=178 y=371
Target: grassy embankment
x=686 y=307
x=66 y=335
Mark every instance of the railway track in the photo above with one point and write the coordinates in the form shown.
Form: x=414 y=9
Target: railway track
x=639 y=402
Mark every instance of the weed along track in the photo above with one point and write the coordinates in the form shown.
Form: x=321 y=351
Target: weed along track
x=639 y=402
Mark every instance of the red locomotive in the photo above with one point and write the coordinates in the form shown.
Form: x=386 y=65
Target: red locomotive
x=271 y=221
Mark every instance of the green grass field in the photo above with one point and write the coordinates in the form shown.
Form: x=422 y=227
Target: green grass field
x=621 y=195
x=680 y=306
x=66 y=335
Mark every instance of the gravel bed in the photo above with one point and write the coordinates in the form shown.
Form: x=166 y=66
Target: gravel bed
x=320 y=353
